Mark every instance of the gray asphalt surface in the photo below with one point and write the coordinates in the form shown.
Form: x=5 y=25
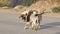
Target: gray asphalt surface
x=10 y=24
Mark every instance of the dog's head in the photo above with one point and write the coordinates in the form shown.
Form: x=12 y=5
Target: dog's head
x=23 y=17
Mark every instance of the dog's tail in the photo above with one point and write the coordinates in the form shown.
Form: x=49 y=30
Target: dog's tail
x=42 y=12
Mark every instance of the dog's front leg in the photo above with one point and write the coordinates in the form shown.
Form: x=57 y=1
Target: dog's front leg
x=27 y=25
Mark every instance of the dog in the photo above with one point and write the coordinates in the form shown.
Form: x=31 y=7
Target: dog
x=35 y=18
x=25 y=16
x=32 y=19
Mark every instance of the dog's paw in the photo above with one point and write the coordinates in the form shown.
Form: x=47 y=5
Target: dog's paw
x=31 y=28
x=25 y=27
x=34 y=28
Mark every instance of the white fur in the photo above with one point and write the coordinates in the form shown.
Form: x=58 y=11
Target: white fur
x=35 y=25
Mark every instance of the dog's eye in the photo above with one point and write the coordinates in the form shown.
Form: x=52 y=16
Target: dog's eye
x=22 y=15
x=36 y=14
x=24 y=18
x=26 y=13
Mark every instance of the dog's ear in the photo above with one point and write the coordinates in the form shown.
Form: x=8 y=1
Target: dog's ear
x=30 y=12
x=21 y=16
x=26 y=14
x=36 y=14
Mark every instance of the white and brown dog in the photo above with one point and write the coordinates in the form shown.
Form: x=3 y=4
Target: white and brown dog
x=35 y=18
x=25 y=16
x=32 y=19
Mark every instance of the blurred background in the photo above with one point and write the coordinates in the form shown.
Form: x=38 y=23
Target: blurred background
x=49 y=5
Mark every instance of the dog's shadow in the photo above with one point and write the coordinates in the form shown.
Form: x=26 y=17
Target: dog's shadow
x=57 y=33
x=50 y=25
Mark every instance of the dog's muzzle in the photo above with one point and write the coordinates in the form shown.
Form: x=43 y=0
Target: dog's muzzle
x=23 y=17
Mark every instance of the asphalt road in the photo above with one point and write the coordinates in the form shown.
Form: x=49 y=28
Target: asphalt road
x=10 y=24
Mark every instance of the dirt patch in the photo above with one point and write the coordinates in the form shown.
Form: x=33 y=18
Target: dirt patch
x=8 y=10
x=54 y=14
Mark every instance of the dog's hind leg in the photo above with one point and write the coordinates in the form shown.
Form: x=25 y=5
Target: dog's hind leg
x=39 y=19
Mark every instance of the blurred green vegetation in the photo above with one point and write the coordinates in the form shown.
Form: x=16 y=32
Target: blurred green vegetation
x=24 y=2
x=56 y=9
x=28 y=2
x=4 y=3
